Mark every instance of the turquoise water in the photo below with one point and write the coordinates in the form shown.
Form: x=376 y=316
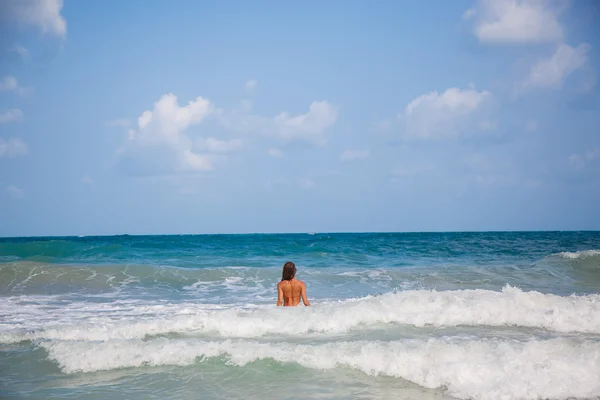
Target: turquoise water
x=408 y=316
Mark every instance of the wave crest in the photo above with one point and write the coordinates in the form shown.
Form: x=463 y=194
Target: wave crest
x=477 y=369
x=509 y=307
x=575 y=255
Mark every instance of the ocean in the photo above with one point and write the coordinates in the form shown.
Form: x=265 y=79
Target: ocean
x=491 y=315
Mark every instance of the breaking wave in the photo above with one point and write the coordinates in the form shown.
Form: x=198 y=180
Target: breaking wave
x=575 y=255
x=477 y=369
x=118 y=320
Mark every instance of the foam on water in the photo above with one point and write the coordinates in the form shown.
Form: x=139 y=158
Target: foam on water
x=478 y=369
x=473 y=315
x=105 y=321
x=574 y=271
x=573 y=255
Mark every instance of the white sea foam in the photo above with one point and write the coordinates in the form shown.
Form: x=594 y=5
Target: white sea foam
x=137 y=319
x=477 y=369
x=579 y=254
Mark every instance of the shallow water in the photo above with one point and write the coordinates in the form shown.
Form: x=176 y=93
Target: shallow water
x=407 y=316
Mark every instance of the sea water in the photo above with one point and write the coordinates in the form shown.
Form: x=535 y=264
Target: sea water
x=393 y=316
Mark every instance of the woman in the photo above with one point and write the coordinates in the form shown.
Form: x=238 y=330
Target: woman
x=290 y=289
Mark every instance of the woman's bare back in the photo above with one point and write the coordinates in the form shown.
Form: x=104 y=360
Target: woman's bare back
x=290 y=292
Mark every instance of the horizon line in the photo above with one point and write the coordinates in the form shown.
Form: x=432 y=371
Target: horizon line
x=298 y=233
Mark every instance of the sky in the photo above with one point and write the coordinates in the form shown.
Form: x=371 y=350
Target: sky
x=160 y=117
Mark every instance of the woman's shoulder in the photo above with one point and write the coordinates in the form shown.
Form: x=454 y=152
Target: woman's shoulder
x=294 y=280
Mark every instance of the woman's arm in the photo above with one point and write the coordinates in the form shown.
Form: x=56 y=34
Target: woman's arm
x=303 y=294
x=279 y=295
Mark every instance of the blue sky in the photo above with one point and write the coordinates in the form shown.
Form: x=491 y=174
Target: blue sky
x=146 y=117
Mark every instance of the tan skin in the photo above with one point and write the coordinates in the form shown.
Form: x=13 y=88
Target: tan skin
x=289 y=293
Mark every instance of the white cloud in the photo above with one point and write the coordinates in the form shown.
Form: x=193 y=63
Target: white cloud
x=580 y=161
x=516 y=21
x=251 y=85
x=351 y=155
x=275 y=152
x=551 y=72
x=486 y=169
x=531 y=125
x=306 y=183
x=589 y=81
x=119 y=123
x=277 y=183
x=479 y=163
x=309 y=127
x=12 y=148
x=487 y=125
x=14 y=192
x=499 y=180
x=411 y=171
x=470 y=13
x=13 y=115
x=45 y=15
x=219 y=146
x=490 y=171
x=87 y=180
x=383 y=125
x=160 y=144
x=10 y=84
x=21 y=51
x=447 y=114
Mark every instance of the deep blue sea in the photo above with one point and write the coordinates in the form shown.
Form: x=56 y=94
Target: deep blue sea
x=499 y=315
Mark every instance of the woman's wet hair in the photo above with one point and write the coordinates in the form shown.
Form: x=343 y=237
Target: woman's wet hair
x=289 y=271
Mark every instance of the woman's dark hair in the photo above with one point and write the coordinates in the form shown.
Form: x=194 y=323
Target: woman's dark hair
x=289 y=271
